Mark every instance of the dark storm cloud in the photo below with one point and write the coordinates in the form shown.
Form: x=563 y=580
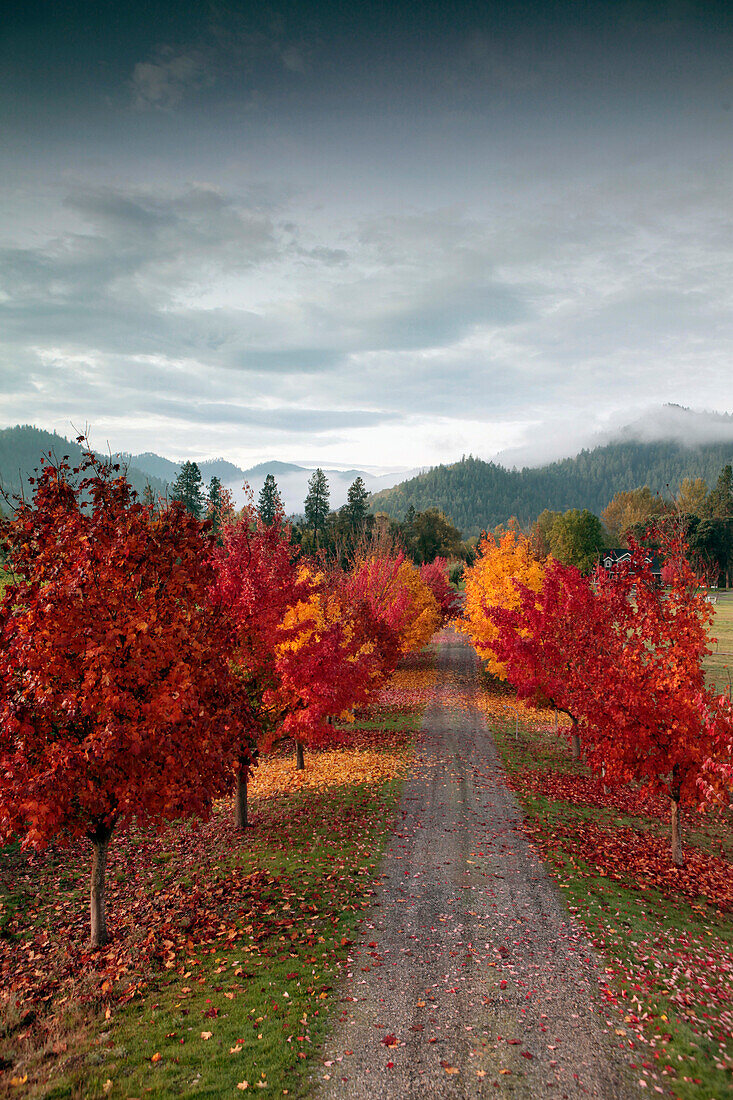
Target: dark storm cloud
x=418 y=215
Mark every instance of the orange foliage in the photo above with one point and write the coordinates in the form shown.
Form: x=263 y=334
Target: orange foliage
x=490 y=584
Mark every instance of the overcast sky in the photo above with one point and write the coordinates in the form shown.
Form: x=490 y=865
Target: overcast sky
x=380 y=234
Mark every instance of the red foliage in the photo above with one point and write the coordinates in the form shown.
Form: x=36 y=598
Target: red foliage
x=624 y=656
x=638 y=859
x=300 y=652
x=646 y=719
x=114 y=693
x=256 y=581
x=558 y=642
x=435 y=575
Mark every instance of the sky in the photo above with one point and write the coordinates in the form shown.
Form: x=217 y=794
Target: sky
x=377 y=234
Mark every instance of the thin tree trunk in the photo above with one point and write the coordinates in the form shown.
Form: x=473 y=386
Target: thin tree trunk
x=97 y=900
x=677 y=857
x=299 y=757
x=240 y=801
x=575 y=741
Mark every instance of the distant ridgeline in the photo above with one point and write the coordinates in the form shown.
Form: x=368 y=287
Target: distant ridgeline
x=22 y=447
x=478 y=495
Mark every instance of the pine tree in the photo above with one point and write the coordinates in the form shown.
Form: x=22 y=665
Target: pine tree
x=269 y=502
x=213 y=505
x=720 y=501
x=357 y=506
x=317 y=503
x=189 y=489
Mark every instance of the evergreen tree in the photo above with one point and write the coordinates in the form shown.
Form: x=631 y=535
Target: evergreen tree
x=357 y=503
x=213 y=505
x=189 y=489
x=316 y=503
x=719 y=504
x=269 y=502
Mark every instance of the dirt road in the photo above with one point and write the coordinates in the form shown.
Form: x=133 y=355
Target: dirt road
x=471 y=979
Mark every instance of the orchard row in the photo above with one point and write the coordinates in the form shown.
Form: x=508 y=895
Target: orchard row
x=621 y=654
x=147 y=660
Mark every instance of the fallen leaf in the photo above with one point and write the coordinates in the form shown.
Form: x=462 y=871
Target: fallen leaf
x=206 y=1034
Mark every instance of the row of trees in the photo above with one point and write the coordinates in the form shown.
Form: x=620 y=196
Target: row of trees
x=148 y=659
x=705 y=516
x=578 y=537
x=621 y=655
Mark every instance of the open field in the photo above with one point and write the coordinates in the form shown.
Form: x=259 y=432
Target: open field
x=665 y=933
x=225 y=952
x=719 y=664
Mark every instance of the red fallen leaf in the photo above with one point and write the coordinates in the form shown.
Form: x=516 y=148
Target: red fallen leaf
x=289 y=977
x=390 y=1040
x=212 y=1012
x=526 y=1054
x=502 y=984
x=515 y=1042
x=390 y=1065
x=372 y=944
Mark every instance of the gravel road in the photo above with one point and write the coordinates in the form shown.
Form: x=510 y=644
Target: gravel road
x=470 y=974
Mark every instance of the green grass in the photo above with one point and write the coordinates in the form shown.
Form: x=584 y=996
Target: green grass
x=313 y=854
x=719 y=666
x=648 y=941
x=273 y=1017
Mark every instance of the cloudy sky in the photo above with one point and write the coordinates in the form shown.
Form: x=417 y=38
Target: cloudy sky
x=383 y=234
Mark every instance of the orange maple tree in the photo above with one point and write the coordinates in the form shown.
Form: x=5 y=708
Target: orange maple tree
x=491 y=584
x=116 y=703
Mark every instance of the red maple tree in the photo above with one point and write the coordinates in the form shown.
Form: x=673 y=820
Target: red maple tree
x=435 y=575
x=623 y=656
x=115 y=697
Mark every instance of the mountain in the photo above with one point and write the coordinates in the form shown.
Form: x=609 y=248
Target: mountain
x=477 y=495
x=292 y=479
x=22 y=447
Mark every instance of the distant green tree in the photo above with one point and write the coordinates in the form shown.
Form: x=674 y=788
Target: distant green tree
x=691 y=496
x=269 y=502
x=577 y=538
x=317 y=504
x=189 y=489
x=719 y=504
x=357 y=503
x=541 y=533
x=429 y=535
x=214 y=505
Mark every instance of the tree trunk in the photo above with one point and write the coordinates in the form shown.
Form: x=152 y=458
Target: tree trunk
x=299 y=757
x=575 y=741
x=677 y=857
x=240 y=801
x=97 y=901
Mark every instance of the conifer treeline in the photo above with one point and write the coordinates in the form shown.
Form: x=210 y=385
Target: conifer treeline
x=478 y=495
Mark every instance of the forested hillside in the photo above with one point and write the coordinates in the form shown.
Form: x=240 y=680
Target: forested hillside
x=476 y=495
x=21 y=449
